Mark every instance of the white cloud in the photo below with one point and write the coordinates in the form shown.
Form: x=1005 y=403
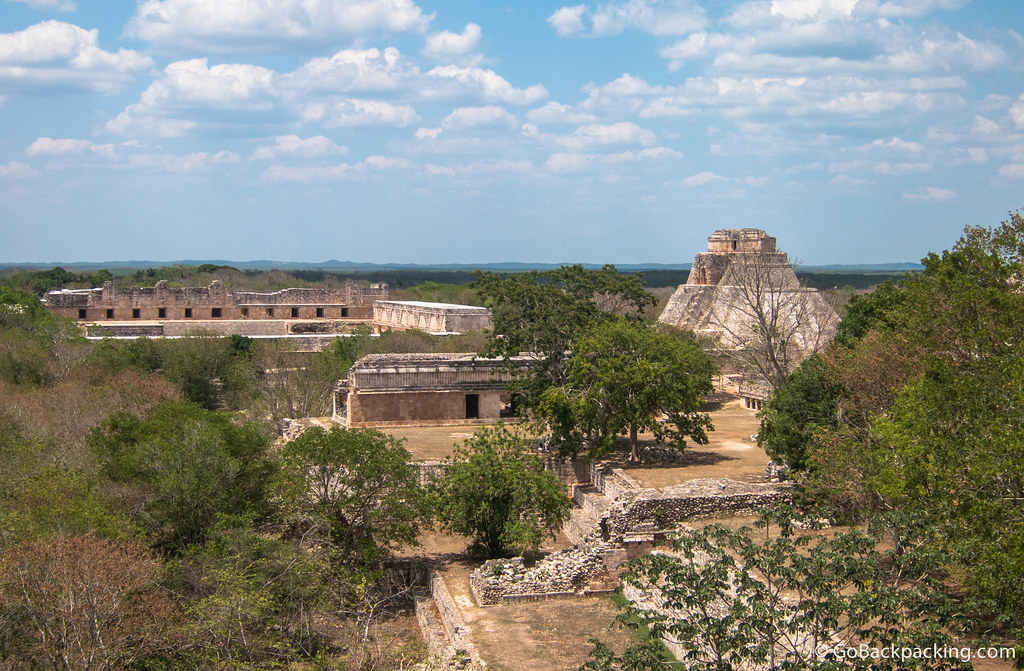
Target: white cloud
x=427 y=133
x=440 y=170
x=893 y=143
x=52 y=5
x=293 y=145
x=807 y=9
x=568 y=20
x=930 y=193
x=16 y=169
x=595 y=135
x=353 y=70
x=656 y=17
x=652 y=154
x=569 y=162
x=310 y=174
x=46 y=146
x=354 y=112
x=55 y=56
x=487 y=83
x=847 y=182
x=1012 y=171
x=1017 y=112
x=553 y=112
x=193 y=85
x=474 y=117
x=911 y=8
x=887 y=168
x=451 y=47
x=985 y=126
x=255 y=25
x=702 y=178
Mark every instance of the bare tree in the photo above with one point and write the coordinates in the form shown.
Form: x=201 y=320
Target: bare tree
x=83 y=603
x=767 y=322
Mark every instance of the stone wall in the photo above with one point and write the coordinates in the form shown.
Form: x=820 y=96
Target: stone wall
x=455 y=627
x=426 y=407
x=653 y=510
x=431 y=317
x=166 y=303
x=570 y=572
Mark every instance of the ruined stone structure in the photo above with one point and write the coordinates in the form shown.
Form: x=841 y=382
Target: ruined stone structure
x=165 y=303
x=742 y=286
x=423 y=389
x=430 y=317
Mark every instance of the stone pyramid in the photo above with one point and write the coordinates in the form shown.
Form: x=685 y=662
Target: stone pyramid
x=743 y=287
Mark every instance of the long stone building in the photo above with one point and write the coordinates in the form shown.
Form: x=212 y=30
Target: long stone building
x=430 y=317
x=164 y=302
x=424 y=389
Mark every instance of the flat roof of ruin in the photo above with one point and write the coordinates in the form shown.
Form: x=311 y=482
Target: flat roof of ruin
x=425 y=304
x=371 y=360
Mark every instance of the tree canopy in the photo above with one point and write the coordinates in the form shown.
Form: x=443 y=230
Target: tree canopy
x=191 y=468
x=495 y=488
x=543 y=313
x=917 y=407
x=356 y=488
x=622 y=378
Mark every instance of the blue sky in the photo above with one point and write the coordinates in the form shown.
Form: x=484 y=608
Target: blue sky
x=855 y=131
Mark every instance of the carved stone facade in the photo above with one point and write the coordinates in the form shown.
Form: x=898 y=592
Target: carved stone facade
x=423 y=389
x=430 y=317
x=166 y=303
x=741 y=281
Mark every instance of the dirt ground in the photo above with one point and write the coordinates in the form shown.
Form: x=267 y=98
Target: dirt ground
x=433 y=443
x=540 y=636
x=732 y=451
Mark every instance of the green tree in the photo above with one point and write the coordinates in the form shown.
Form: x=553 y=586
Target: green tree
x=775 y=597
x=356 y=489
x=496 y=489
x=543 y=313
x=808 y=402
x=623 y=378
x=189 y=469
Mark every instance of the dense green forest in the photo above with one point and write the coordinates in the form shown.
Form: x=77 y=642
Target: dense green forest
x=151 y=517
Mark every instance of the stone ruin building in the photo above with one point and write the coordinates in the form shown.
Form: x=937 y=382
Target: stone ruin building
x=743 y=285
x=424 y=389
x=166 y=303
x=430 y=317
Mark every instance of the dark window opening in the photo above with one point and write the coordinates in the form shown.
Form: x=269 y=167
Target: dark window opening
x=734 y=245
x=136 y=313
x=295 y=312
x=319 y=312
x=472 y=406
x=270 y=312
x=81 y=313
x=161 y=313
x=245 y=312
x=188 y=313
x=110 y=314
x=215 y=313
x=344 y=312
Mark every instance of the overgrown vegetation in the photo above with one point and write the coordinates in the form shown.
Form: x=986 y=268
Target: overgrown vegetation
x=916 y=406
x=141 y=479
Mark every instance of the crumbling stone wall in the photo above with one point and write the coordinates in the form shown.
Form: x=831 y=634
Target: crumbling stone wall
x=565 y=573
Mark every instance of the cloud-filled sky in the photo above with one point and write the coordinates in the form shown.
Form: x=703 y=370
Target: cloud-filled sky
x=624 y=131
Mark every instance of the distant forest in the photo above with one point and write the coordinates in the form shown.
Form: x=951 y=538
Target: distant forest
x=400 y=279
